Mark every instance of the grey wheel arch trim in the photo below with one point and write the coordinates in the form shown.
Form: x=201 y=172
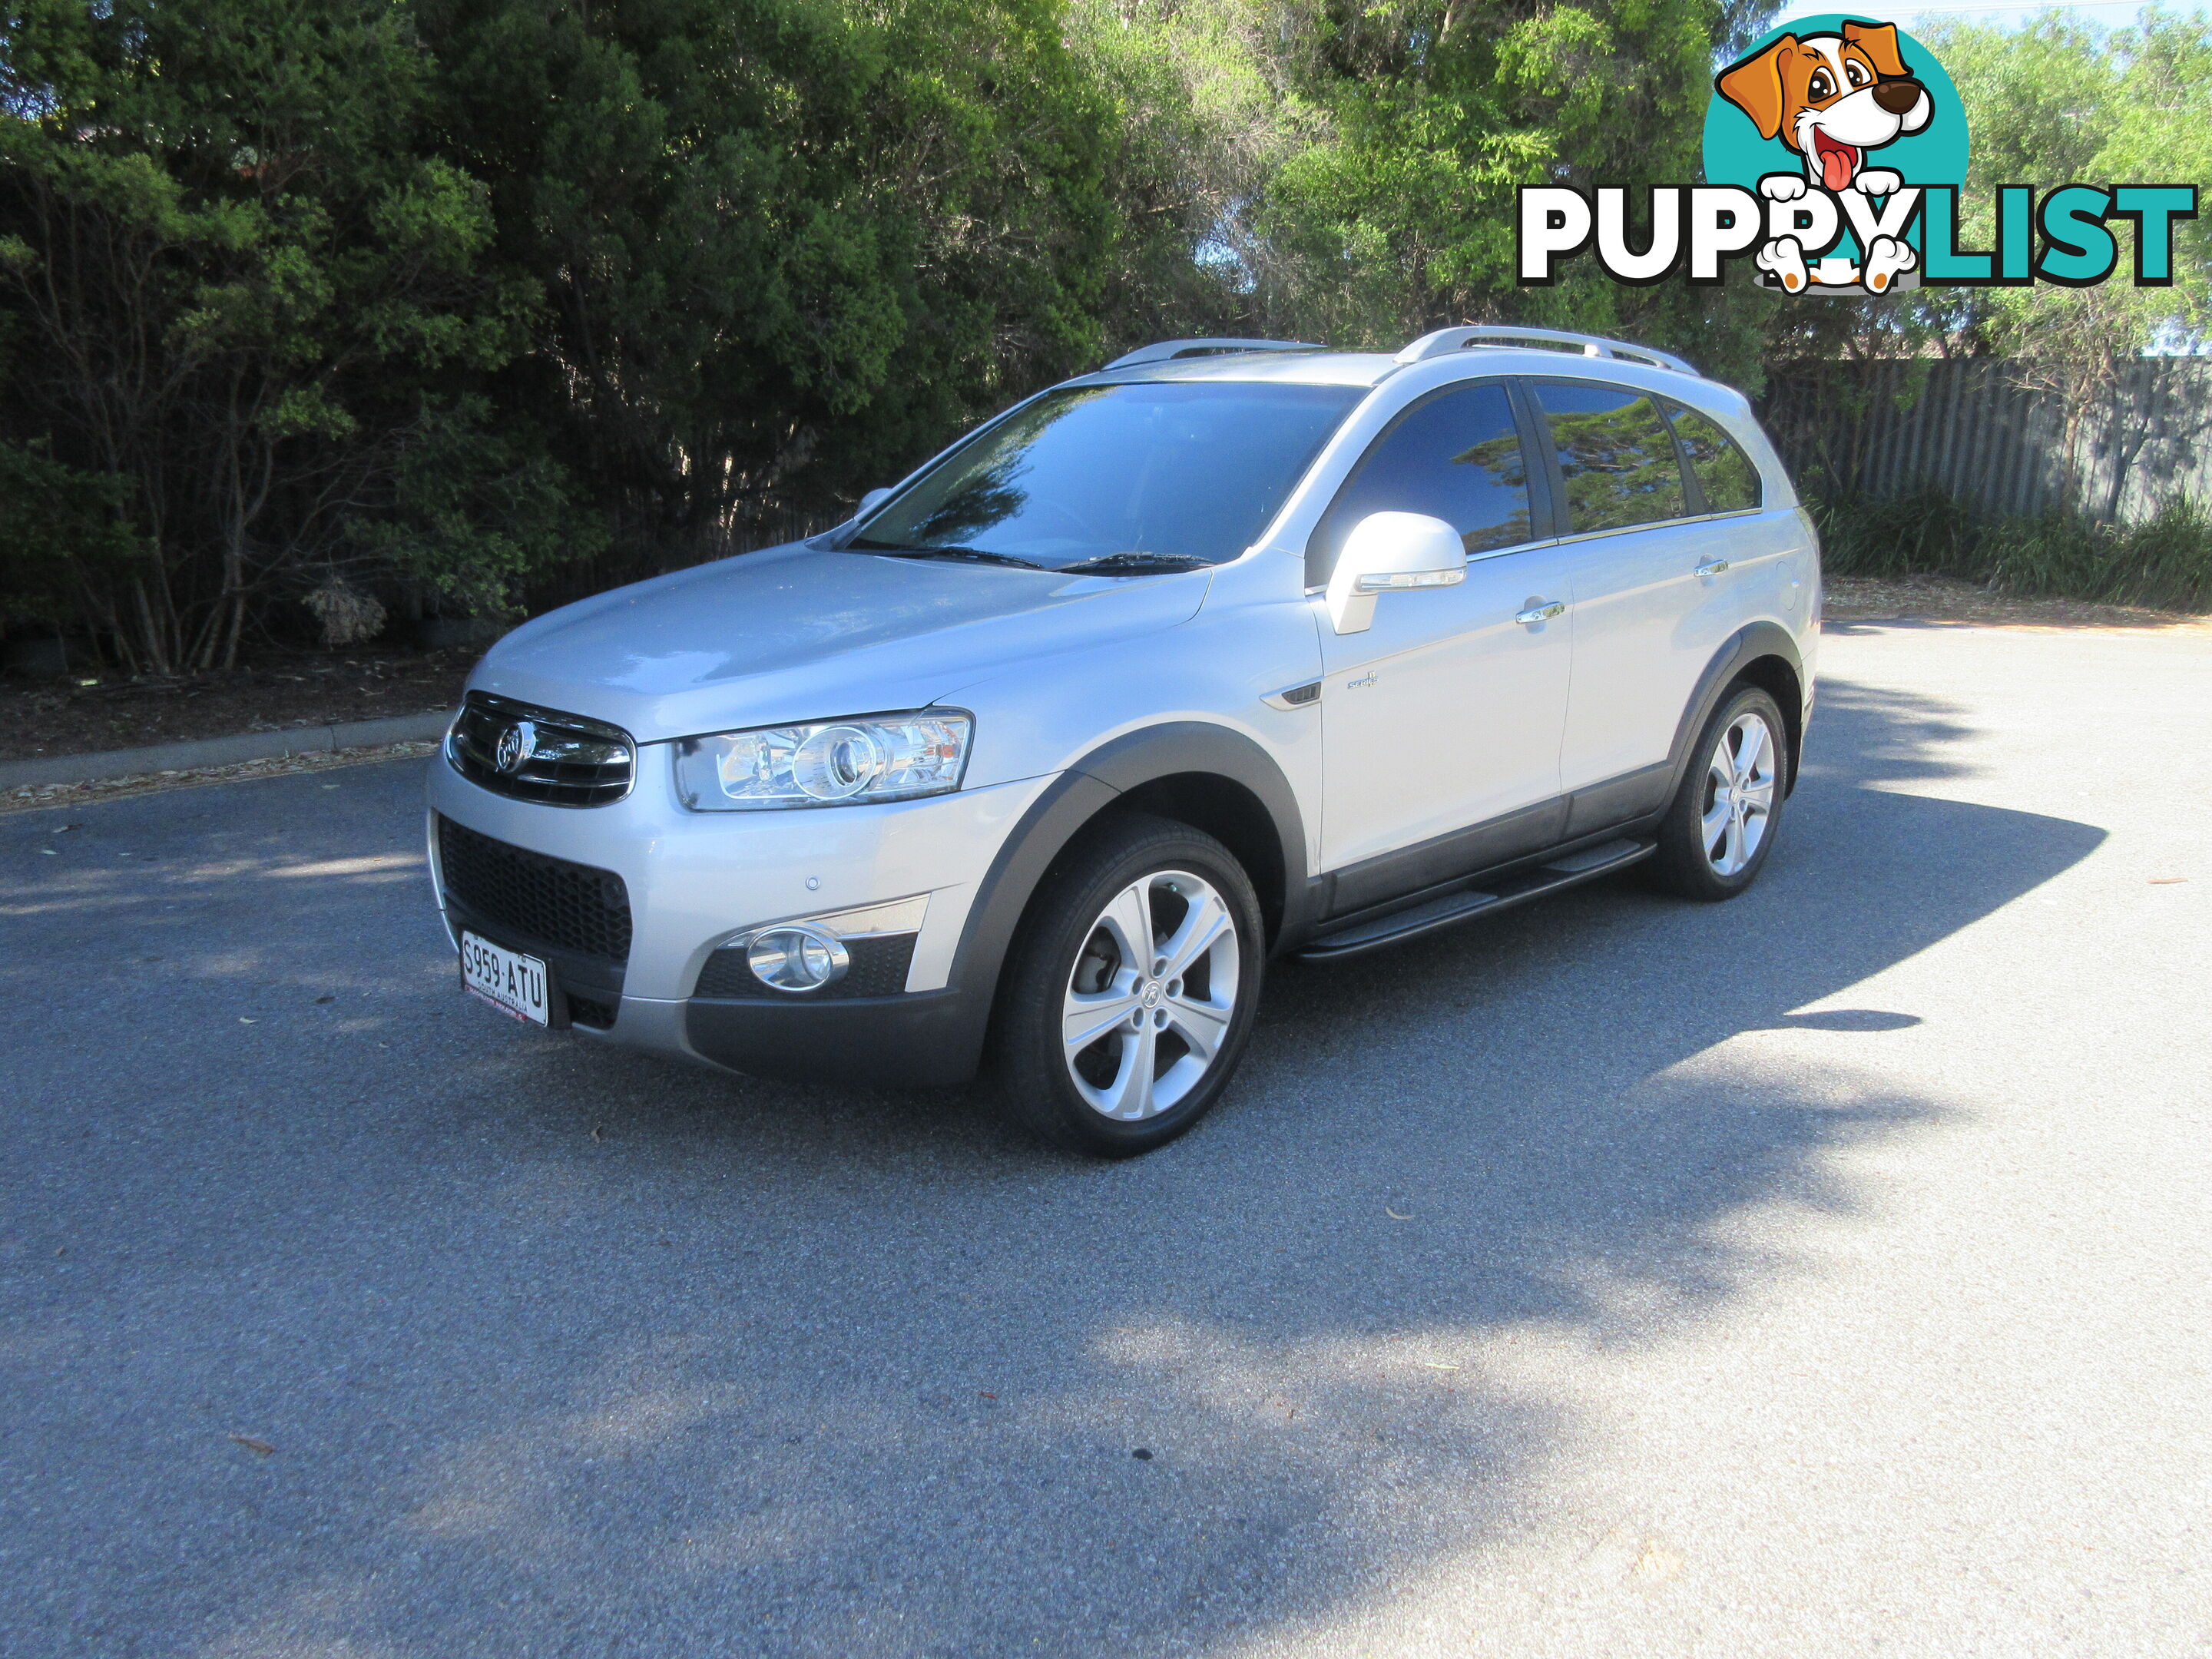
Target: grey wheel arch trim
x=1743 y=648
x=1077 y=796
x=1197 y=749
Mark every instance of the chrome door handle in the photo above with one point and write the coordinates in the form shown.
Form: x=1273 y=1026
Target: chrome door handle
x=1537 y=613
x=1710 y=568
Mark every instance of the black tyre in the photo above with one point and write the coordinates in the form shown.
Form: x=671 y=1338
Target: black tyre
x=1128 y=996
x=1720 y=826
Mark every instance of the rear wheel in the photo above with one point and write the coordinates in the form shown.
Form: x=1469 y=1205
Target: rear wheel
x=1718 y=830
x=1129 y=993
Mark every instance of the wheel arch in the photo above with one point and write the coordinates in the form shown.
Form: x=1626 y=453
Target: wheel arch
x=1780 y=679
x=1210 y=777
x=1762 y=654
x=1233 y=815
x=1219 y=781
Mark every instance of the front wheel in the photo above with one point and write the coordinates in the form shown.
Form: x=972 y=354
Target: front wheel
x=1129 y=993
x=1718 y=830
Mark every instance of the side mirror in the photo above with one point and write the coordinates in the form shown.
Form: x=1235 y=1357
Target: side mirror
x=871 y=501
x=1388 y=551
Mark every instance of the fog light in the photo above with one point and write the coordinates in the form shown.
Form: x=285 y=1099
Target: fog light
x=797 y=958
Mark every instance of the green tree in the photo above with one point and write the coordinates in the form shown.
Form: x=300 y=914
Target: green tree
x=1208 y=116
x=63 y=537
x=2061 y=102
x=1348 y=171
x=787 y=246
x=237 y=288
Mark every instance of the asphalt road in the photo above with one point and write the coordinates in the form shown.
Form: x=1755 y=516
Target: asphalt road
x=1822 y=1273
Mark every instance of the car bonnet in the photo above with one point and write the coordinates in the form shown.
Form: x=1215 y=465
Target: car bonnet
x=797 y=633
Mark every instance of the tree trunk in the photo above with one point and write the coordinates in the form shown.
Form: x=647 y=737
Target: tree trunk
x=150 y=634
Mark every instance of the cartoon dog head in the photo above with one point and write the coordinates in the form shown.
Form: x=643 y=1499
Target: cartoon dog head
x=1830 y=97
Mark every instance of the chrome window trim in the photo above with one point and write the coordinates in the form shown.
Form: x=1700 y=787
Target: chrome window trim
x=1662 y=524
x=1597 y=535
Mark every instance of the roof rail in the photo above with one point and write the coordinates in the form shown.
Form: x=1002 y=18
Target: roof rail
x=1506 y=334
x=1161 y=351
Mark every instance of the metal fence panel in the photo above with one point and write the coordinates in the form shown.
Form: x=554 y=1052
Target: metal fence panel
x=1977 y=429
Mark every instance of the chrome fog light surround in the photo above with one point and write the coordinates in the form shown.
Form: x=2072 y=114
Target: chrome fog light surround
x=795 y=957
x=809 y=953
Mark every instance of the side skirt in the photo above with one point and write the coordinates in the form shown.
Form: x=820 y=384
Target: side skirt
x=1474 y=895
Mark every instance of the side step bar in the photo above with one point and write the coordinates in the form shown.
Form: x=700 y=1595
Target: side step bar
x=1533 y=883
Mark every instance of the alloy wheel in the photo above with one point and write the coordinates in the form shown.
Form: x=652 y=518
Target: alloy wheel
x=1150 y=995
x=1739 y=793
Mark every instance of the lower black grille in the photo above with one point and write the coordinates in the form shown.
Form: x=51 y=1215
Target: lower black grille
x=878 y=969
x=583 y=1011
x=571 y=906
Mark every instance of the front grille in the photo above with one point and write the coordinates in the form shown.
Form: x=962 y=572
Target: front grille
x=571 y=906
x=879 y=962
x=539 y=754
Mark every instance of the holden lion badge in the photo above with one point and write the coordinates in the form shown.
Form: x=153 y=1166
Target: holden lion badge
x=516 y=745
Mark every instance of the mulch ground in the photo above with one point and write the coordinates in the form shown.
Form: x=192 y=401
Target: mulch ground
x=92 y=711
x=32 y=798
x=1943 y=600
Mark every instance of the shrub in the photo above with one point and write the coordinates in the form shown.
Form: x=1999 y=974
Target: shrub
x=1925 y=531
x=2165 y=562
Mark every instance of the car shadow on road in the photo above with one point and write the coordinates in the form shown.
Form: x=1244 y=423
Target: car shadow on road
x=562 y=1351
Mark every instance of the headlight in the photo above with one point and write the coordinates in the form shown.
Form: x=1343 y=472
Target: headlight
x=828 y=763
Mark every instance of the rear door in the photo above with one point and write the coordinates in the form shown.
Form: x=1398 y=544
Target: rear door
x=1656 y=578
x=1447 y=711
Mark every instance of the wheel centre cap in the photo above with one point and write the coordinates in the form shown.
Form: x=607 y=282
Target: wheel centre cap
x=1152 y=997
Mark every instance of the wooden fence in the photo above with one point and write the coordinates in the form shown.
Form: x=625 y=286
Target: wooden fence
x=1976 y=428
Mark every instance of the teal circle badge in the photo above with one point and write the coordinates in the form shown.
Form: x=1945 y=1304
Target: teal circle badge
x=1844 y=105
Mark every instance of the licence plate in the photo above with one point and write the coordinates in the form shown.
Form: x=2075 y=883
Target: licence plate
x=511 y=982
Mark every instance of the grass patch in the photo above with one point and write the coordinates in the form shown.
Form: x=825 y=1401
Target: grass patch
x=2165 y=563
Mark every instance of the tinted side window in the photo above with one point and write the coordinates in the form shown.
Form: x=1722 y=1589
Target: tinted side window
x=1456 y=457
x=1724 y=471
x=1615 y=449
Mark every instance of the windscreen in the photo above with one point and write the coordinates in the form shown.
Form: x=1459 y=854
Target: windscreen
x=1149 y=476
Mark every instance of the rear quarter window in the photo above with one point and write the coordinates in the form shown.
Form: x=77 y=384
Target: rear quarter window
x=1724 y=473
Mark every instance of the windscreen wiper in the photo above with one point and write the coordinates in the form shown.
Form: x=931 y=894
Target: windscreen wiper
x=1134 y=564
x=970 y=554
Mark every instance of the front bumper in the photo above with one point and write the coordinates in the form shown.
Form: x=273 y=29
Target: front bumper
x=694 y=879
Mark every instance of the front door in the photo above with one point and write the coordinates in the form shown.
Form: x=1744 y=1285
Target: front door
x=1447 y=711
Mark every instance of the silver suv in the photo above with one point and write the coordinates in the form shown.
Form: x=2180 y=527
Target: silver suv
x=1235 y=649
